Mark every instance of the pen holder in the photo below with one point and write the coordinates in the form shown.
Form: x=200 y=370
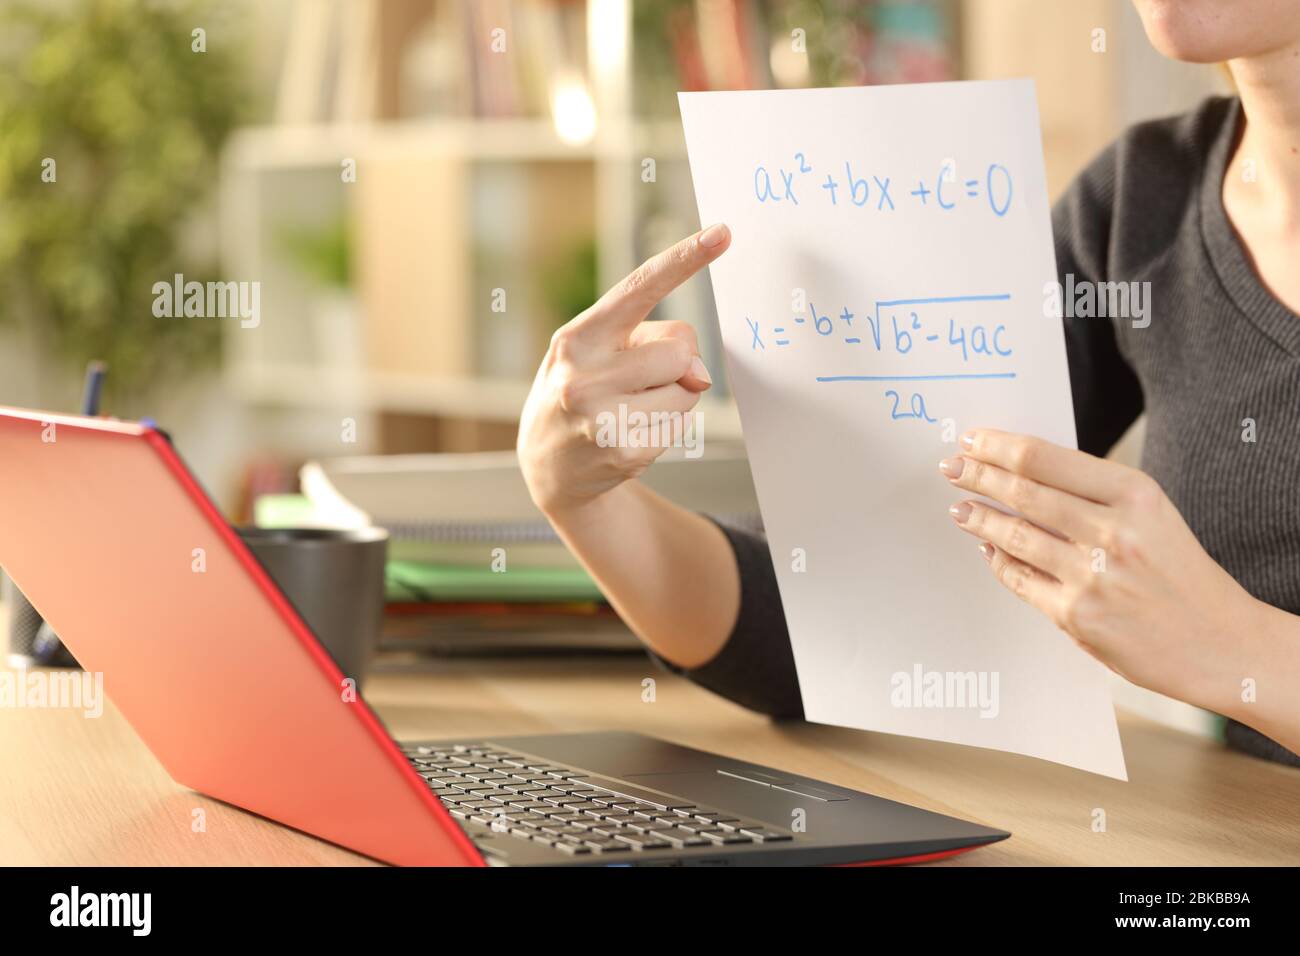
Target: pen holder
x=32 y=642
x=335 y=580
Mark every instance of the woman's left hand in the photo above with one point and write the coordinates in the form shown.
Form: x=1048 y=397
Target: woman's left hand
x=1123 y=575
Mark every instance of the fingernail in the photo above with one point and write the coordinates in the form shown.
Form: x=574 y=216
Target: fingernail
x=951 y=467
x=713 y=235
x=960 y=512
x=986 y=549
x=967 y=441
x=700 y=372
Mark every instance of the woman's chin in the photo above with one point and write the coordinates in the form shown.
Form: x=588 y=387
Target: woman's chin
x=1213 y=31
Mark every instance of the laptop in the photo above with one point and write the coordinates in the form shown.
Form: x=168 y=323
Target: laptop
x=120 y=550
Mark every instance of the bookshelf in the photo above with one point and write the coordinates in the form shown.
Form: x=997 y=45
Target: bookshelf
x=490 y=190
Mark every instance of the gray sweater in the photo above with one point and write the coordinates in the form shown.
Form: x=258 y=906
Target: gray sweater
x=1219 y=348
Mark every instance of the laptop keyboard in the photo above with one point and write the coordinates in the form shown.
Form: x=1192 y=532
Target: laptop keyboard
x=578 y=814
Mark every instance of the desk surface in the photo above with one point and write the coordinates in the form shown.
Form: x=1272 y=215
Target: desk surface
x=87 y=791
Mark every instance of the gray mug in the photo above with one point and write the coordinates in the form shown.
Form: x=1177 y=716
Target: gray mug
x=335 y=580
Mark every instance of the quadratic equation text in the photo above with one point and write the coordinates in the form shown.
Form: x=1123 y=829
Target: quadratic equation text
x=945 y=338
x=854 y=187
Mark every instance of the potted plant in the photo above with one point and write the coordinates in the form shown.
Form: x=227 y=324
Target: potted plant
x=112 y=113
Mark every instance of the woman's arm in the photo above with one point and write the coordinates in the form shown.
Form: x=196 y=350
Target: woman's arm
x=669 y=573
x=1270 y=703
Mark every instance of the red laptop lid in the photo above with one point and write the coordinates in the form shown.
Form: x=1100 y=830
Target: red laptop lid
x=101 y=527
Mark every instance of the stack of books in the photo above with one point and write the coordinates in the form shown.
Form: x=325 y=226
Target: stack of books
x=473 y=565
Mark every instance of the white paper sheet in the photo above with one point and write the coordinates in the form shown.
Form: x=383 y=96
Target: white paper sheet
x=885 y=291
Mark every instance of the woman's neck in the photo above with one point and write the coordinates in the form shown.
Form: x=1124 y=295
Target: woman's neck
x=1265 y=169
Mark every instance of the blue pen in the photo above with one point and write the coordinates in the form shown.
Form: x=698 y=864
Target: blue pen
x=94 y=388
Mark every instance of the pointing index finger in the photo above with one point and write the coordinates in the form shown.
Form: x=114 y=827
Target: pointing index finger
x=627 y=304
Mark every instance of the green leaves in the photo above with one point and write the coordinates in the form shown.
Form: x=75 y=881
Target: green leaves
x=133 y=120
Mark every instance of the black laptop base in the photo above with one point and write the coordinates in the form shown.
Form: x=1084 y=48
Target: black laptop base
x=623 y=799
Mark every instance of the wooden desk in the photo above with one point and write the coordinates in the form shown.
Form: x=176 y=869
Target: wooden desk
x=81 y=791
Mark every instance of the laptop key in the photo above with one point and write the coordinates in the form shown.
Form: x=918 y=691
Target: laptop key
x=451 y=795
x=650 y=826
x=575 y=788
x=573 y=849
x=723 y=837
x=486 y=776
x=609 y=846
x=558 y=832
x=766 y=835
x=712 y=817
x=683 y=838
x=694 y=826
x=642 y=841
x=622 y=818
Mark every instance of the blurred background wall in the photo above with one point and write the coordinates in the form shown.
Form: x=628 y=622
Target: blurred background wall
x=423 y=189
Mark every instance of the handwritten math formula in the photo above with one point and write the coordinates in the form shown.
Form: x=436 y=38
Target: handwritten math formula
x=845 y=186
x=944 y=338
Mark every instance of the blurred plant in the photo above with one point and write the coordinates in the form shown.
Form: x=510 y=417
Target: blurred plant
x=109 y=99
x=325 y=254
x=569 y=283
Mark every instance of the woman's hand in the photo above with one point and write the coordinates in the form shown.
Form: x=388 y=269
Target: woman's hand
x=669 y=573
x=1123 y=576
x=607 y=357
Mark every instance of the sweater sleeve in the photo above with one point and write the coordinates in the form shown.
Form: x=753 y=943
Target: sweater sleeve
x=1107 y=393
x=755 y=668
